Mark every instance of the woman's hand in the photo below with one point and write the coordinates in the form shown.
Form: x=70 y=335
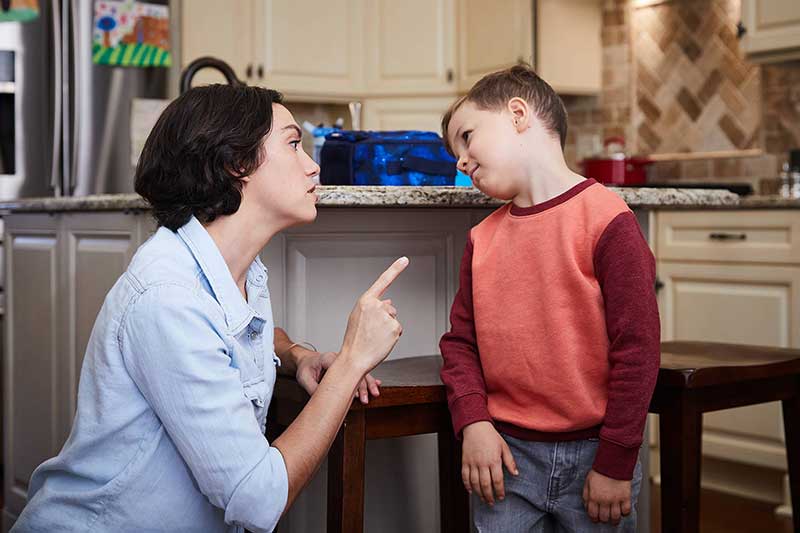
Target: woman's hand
x=312 y=367
x=372 y=328
x=483 y=455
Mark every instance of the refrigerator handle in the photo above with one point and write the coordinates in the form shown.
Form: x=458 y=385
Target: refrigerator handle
x=76 y=84
x=66 y=122
x=55 y=175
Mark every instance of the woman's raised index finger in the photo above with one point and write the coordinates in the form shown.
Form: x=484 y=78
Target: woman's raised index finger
x=386 y=279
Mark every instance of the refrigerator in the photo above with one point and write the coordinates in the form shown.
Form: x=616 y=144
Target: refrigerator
x=65 y=122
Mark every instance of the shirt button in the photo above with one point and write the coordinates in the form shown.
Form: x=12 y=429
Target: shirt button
x=253 y=335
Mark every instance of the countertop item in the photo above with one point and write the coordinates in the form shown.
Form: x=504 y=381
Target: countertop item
x=379 y=196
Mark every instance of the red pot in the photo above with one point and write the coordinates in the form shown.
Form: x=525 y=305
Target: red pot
x=617 y=170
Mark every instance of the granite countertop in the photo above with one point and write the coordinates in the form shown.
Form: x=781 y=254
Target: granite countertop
x=369 y=196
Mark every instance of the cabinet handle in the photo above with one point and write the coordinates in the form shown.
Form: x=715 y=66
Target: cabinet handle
x=741 y=29
x=659 y=284
x=449 y=75
x=249 y=71
x=727 y=236
x=261 y=72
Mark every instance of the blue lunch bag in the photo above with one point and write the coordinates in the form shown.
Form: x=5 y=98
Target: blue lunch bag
x=385 y=158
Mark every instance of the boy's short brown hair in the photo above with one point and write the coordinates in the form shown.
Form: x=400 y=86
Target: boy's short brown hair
x=493 y=91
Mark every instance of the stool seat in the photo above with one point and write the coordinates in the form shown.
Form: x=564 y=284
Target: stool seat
x=703 y=364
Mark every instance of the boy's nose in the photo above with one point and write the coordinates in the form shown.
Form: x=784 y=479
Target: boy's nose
x=462 y=164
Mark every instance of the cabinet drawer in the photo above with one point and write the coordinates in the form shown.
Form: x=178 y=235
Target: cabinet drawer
x=759 y=236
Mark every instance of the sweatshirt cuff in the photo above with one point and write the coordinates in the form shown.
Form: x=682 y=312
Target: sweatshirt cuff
x=615 y=461
x=467 y=410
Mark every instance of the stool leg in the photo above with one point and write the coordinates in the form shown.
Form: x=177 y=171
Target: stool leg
x=791 y=424
x=453 y=498
x=680 y=428
x=346 y=476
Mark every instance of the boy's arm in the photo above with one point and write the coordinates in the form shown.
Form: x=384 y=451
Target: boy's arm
x=461 y=371
x=625 y=268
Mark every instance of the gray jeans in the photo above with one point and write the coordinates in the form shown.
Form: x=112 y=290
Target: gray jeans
x=547 y=494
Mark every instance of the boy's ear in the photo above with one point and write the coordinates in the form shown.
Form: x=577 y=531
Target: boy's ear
x=520 y=113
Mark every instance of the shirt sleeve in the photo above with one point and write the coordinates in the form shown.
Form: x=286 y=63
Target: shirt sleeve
x=461 y=373
x=179 y=360
x=625 y=269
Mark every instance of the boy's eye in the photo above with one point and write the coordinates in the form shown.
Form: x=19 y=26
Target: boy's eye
x=465 y=135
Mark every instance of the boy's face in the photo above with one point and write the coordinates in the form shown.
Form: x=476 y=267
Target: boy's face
x=489 y=149
x=283 y=184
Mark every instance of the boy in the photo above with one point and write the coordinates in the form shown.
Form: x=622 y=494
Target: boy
x=553 y=351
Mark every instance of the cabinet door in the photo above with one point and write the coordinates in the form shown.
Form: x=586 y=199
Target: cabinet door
x=32 y=369
x=312 y=48
x=492 y=36
x=221 y=30
x=405 y=113
x=773 y=28
x=738 y=304
x=96 y=251
x=569 y=52
x=410 y=47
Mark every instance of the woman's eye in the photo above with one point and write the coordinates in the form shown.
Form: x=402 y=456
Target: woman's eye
x=294 y=144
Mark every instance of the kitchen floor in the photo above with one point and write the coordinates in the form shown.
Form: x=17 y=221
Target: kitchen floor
x=723 y=513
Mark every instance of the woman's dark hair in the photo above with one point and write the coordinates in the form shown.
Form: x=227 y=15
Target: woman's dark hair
x=201 y=147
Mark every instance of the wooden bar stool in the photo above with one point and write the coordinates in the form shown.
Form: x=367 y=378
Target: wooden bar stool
x=698 y=377
x=412 y=402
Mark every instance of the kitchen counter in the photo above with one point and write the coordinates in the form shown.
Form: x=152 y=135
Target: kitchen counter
x=769 y=202
x=374 y=196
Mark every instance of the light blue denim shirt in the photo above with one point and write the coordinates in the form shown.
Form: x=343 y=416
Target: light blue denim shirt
x=172 y=404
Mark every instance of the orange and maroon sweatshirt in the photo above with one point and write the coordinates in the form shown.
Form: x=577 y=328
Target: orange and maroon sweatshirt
x=555 y=331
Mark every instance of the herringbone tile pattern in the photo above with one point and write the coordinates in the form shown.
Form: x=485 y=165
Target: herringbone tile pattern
x=695 y=92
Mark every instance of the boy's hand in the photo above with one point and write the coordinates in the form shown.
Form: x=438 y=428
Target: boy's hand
x=606 y=499
x=483 y=456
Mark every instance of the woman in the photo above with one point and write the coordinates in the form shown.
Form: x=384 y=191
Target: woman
x=180 y=366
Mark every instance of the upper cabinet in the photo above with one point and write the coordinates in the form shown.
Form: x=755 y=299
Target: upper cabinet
x=207 y=32
x=492 y=36
x=337 y=50
x=569 y=51
x=410 y=47
x=311 y=48
x=772 y=29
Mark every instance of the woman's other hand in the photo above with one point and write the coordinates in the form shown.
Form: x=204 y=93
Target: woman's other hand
x=372 y=328
x=312 y=367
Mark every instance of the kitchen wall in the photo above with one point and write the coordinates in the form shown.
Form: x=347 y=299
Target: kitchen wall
x=675 y=80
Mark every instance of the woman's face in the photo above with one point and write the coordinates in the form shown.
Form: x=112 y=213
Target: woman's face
x=283 y=184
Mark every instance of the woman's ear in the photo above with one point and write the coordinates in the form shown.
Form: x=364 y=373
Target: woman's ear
x=520 y=113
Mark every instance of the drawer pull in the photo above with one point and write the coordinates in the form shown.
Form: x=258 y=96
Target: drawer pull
x=728 y=236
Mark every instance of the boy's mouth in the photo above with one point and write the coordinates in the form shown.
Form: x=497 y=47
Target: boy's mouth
x=472 y=172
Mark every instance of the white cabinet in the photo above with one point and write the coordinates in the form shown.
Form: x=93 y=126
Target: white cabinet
x=209 y=28
x=733 y=276
x=59 y=269
x=410 y=47
x=569 y=51
x=33 y=423
x=405 y=113
x=772 y=29
x=492 y=36
x=310 y=49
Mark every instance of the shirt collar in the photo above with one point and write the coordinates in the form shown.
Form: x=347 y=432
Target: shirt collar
x=238 y=313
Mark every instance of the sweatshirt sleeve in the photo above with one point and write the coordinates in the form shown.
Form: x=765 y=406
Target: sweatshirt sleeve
x=462 y=374
x=625 y=269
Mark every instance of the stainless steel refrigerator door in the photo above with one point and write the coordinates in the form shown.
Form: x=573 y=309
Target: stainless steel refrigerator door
x=28 y=102
x=100 y=103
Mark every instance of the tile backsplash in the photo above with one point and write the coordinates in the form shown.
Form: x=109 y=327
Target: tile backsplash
x=675 y=80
